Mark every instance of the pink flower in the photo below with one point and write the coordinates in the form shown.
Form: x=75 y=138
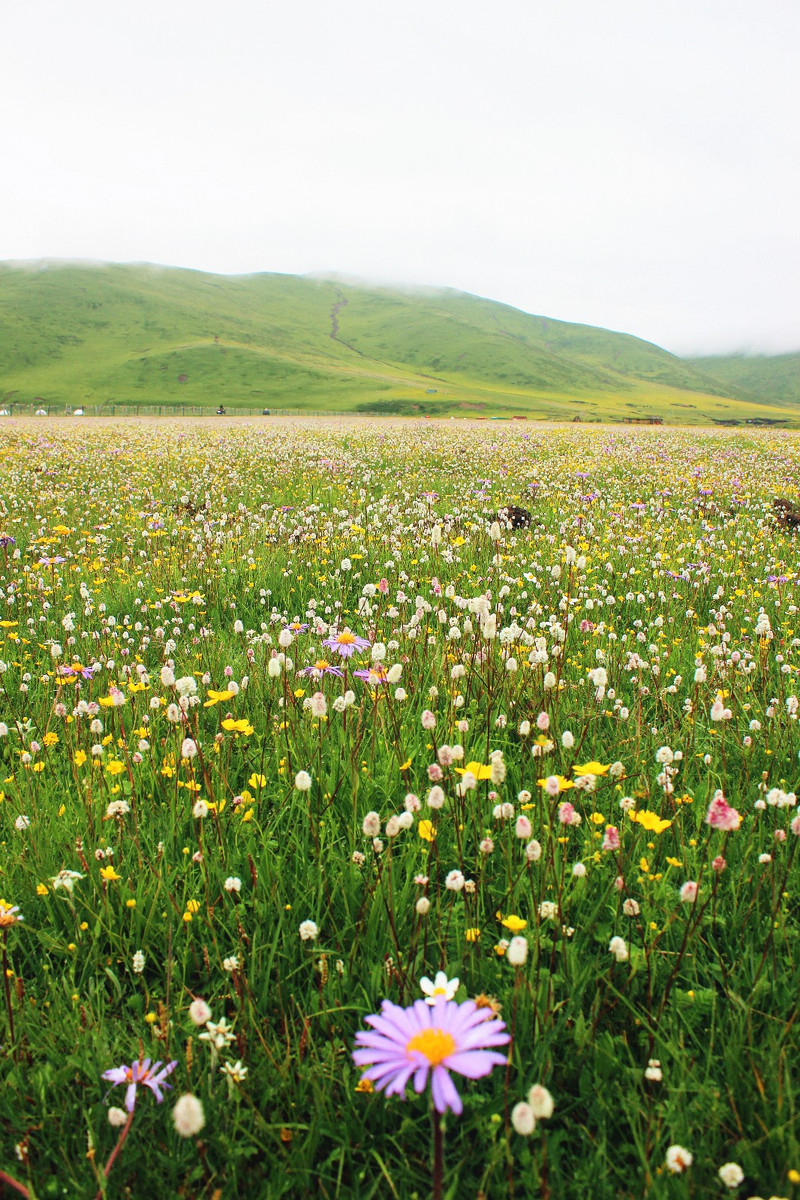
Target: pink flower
x=383 y=586
x=428 y=719
x=719 y=864
x=522 y=827
x=565 y=813
x=689 y=892
x=611 y=838
x=543 y=721
x=412 y=1043
x=720 y=815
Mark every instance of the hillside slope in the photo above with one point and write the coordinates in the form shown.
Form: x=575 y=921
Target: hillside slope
x=764 y=378
x=131 y=334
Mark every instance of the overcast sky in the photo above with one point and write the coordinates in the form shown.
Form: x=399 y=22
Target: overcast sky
x=633 y=164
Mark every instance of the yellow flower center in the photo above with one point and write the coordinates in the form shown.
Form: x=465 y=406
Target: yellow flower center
x=435 y=1044
x=346 y=638
x=321 y=664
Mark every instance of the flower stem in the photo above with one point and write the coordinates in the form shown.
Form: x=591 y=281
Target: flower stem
x=123 y=1133
x=9 y=1009
x=12 y=1183
x=438 y=1156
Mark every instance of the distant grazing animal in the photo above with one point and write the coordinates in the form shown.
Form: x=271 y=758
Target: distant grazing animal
x=513 y=515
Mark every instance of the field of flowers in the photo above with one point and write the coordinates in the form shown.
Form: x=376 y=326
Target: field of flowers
x=359 y=842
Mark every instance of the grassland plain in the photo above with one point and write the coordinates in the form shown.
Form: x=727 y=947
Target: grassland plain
x=112 y=335
x=290 y=722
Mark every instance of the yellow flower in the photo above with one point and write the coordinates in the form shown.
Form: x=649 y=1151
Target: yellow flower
x=365 y=1085
x=109 y=874
x=38 y=767
x=591 y=768
x=257 y=781
x=472 y=935
x=41 y=890
x=644 y=865
x=650 y=821
x=406 y=765
x=597 y=818
x=563 y=783
x=217 y=697
x=193 y=906
x=477 y=769
x=515 y=924
x=674 y=862
x=426 y=831
x=242 y=726
x=115 y=767
x=80 y=758
x=50 y=739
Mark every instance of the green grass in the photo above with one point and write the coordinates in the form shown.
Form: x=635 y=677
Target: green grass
x=197 y=551
x=153 y=336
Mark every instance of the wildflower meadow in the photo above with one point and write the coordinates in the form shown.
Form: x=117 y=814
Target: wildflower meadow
x=398 y=809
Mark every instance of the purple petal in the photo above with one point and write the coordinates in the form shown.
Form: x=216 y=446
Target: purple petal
x=444 y=1092
x=474 y=1063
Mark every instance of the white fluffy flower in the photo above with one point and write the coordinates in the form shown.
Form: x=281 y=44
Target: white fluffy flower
x=522 y=1119
x=731 y=1174
x=618 y=948
x=199 y=1012
x=188 y=1115
x=678 y=1159
x=541 y=1102
x=517 y=952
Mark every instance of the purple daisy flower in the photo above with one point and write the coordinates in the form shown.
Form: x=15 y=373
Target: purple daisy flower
x=430 y=1039
x=346 y=643
x=74 y=671
x=296 y=627
x=322 y=667
x=373 y=675
x=141 y=1072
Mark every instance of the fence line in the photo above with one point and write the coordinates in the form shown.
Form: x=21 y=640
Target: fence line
x=16 y=408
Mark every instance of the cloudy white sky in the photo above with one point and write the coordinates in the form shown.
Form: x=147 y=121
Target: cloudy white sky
x=633 y=164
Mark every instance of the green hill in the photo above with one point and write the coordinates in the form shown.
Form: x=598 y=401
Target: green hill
x=764 y=378
x=115 y=335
